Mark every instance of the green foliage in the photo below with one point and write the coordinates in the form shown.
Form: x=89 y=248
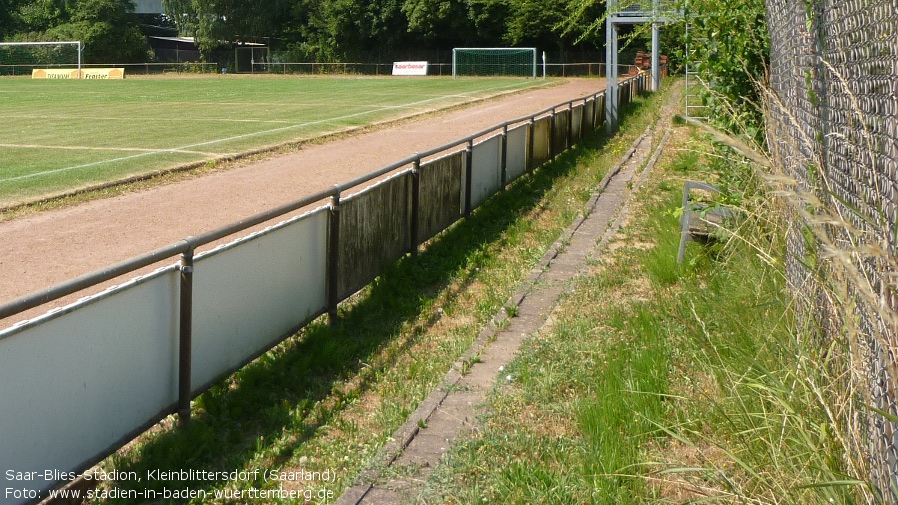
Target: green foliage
x=108 y=28
x=343 y=30
x=182 y=13
x=39 y=15
x=730 y=49
x=315 y=30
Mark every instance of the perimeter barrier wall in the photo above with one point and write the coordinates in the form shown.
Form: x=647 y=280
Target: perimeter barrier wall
x=79 y=382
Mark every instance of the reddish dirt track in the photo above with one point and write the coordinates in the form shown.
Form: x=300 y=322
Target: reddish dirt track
x=44 y=249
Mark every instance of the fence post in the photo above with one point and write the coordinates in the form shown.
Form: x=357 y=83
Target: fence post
x=416 y=205
x=528 y=162
x=503 y=158
x=570 y=125
x=185 y=334
x=469 y=175
x=552 y=135
x=333 y=259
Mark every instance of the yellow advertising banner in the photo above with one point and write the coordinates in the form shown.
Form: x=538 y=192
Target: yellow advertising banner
x=90 y=73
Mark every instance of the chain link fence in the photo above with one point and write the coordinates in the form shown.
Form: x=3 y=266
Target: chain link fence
x=833 y=128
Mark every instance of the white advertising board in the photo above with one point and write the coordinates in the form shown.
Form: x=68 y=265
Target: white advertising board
x=410 y=68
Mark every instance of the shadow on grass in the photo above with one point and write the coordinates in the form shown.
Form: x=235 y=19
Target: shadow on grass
x=282 y=391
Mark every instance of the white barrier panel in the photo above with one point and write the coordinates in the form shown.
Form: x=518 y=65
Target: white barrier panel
x=486 y=176
x=516 y=152
x=251 y=292
x=542 y=135
x=75 y=382
x=410 y=68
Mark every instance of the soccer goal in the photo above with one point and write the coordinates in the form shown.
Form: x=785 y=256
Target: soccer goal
x=20 y=58
x=519 y=61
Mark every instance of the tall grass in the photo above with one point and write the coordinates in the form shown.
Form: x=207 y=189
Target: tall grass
x=666 y=383
x=785 y=420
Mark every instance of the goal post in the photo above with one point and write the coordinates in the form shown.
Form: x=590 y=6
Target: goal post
x=20 y=58
x=488 y=61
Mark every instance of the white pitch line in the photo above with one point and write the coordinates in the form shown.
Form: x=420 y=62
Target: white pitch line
x=138 y=118
x=243 y=136
x=95 y=148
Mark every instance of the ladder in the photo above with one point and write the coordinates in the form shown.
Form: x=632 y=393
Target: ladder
x=695 y=85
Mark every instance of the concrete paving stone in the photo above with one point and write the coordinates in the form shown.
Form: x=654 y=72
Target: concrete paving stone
x=382 y=496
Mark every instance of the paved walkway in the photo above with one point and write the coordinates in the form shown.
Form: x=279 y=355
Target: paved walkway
x=451 y=410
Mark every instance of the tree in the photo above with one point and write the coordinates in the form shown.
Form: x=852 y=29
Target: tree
x=330 y=30
x=7 y=18
x=40 y=15
x=218 y=22
x=731 y=50
x=443 y=23
x=490 y=18
x=183 y=14
x=536 y=23
x=349 y=28
x=108 y=29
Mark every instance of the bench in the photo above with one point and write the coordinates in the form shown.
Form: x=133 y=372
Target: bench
x=699 y=220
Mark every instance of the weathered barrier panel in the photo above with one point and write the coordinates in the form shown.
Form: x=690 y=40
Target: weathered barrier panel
x=589 y=115
x=486 y=174
x=576 y=123
x=541 y=139
x=249 y=294
x=374 y=232
x=624 y=91
x=560 y=131
x=516 y=152
x=441 y=194
x=79 y=381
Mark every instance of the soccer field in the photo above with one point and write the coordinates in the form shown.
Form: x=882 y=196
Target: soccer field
x=60 y=135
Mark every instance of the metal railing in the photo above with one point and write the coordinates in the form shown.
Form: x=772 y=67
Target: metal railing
x=148 y=346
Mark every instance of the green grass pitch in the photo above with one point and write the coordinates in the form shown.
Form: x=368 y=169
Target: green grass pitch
x=60 y=135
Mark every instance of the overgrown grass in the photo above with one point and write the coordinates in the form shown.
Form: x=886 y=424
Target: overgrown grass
x=659 y=382
x=329 y=398
x=587 y=397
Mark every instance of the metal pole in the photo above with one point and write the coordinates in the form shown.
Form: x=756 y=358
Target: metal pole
x=185 y=338
x=469 y=175
x=610 y=76
x=552 y=150
x=528 y=162
x=333 y=260
x=416 y=204
x=656 y=57
x=570 y=125
x=503 y=158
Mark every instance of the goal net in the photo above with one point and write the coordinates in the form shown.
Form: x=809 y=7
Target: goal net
x=519 y=61
x=20 y=58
